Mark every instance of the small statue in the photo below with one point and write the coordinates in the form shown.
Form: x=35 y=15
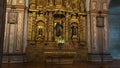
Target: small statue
x=40 y=31
x=58 y=29
x=74 y=30
x=75 y=4
x=82 y=6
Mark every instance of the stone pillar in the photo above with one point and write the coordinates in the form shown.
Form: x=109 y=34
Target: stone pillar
x=98 y=50
x=2 y=26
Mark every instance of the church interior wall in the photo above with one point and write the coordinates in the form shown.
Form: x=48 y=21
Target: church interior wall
x=16 y=33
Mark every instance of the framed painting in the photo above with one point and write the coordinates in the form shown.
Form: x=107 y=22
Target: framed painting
x=100 y=21
x=12 y=17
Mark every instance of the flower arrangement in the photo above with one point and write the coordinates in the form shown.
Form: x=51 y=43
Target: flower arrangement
x=60 y=42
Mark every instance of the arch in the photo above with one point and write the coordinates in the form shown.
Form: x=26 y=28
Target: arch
x=40 y=30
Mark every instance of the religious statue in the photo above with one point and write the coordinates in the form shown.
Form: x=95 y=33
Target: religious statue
x=74 y=30
x=74 y=4
x=82 y=6
x=58 y=28
x=40 y=31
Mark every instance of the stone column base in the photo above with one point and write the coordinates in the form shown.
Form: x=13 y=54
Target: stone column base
x=97 y=57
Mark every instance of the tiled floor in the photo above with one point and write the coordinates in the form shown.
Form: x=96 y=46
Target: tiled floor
x=113 y=64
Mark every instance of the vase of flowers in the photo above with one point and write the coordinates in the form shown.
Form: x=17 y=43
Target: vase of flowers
x=60 y=42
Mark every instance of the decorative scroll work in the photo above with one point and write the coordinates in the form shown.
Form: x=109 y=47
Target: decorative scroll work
x=75 y=5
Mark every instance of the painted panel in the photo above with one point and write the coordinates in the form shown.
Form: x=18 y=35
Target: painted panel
x=12 y=17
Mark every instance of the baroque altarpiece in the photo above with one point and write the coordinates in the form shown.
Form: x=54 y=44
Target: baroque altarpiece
x=51 y=21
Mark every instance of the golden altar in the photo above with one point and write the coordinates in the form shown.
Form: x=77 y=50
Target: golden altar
x=50 y=20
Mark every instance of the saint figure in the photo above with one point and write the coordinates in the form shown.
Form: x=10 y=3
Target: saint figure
x=58 y=29
x=40 y=31
x=74 y=28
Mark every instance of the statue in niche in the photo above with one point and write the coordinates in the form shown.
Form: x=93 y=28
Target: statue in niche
x=82 y=6
x=67 y=4
x=40 y=31
x=74 y=4
x=74 y=30
x=58 y=28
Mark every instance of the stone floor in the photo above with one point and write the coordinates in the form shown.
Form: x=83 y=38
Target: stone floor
x=113 y=64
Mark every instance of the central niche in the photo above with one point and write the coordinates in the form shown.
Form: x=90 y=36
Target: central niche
x=59 y=25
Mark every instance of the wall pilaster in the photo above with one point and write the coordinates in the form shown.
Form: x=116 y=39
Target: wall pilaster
x=98 y=35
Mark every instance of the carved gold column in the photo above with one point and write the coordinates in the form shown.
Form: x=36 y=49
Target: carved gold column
x=67 y=29
x=64 y=27
x=83 y=29
x=79 y=27
x=30 y=20
x=50 y=23
x=33 y=25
